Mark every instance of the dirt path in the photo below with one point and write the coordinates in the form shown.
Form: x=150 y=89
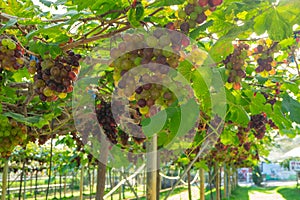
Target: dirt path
x=265 y=196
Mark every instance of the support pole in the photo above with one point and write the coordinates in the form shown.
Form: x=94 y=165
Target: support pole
x=152 y=163
x=4 y=180
x=202 y=184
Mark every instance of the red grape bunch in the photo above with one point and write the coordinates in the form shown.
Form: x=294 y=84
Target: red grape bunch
x=106 y=120
x=235 y=65
x=11 y=54
x=53 y=79
x=265 y=58
x=258 y=123
x=196 y=12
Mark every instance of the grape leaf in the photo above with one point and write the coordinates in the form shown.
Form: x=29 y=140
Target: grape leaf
x=195 y=33
x=291 y=106
x=161 y=3
x=10 y=23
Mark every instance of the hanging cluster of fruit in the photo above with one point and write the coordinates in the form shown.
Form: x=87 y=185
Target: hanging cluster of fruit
x=264 y=56
x=54 y=78
x=196 y=12
x=157 y=53
x=11 y=54
x=235 y=65
x=106 y=120
x=12 y=134
x=242 y=153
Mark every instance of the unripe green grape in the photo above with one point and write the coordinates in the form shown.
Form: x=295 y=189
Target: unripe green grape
x=167 y=51
x=198 y=9
x=4 y=42
x=137 y=61
x=12 y=46
x=47 y=92
x=181 y=14
x=193 y=15
x=152 y=41
x=164 y=40
x=192 y=23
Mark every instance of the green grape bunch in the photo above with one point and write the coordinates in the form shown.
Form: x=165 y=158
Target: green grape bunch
x=12 y=134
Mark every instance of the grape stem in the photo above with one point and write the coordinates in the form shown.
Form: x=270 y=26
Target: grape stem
x=94 y=38
x=296 y=62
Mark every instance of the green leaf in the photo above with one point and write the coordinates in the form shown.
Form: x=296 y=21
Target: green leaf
x=139 y=12
x=201 y=165
x=42 y=48
x=239 y=115
x=229 y=138
x=291 y=106
x=257 y=103
x=185 y=68
x=260 y=25
x=157 y=122
x=222 y=48
x=21 y=118
x=284 y=44
x=279 y=28
x=163 y=139
x=162 y=3
x=279 y=119
x=184 y=160
x=132 y=18
x=10 y=23
x=46 y=2
x=21 y=74
x=196 y=32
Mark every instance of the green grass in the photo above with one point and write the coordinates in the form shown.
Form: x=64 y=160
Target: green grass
x=287 y=192
x=241 y=193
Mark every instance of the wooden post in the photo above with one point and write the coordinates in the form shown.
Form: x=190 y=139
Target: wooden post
x=225 y=181
x=217 y=183
x=151 y=187
x=202 y=184
x=189 y=184
x=102 y=170
x=93 y=178
x=65 y=184
x=36 y=184
x=229 y=181
x=25 y=177
x=81 y=183
x=4 y=180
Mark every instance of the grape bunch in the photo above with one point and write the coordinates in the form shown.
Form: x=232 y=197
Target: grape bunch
x=12 y=134
x=235 y=65
x=53 y=79
x=106 y=120
x=258 y=123
x=196 y=12
x=264 y=55
x=157 y=53
x=11 y=54
x=264 y=64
